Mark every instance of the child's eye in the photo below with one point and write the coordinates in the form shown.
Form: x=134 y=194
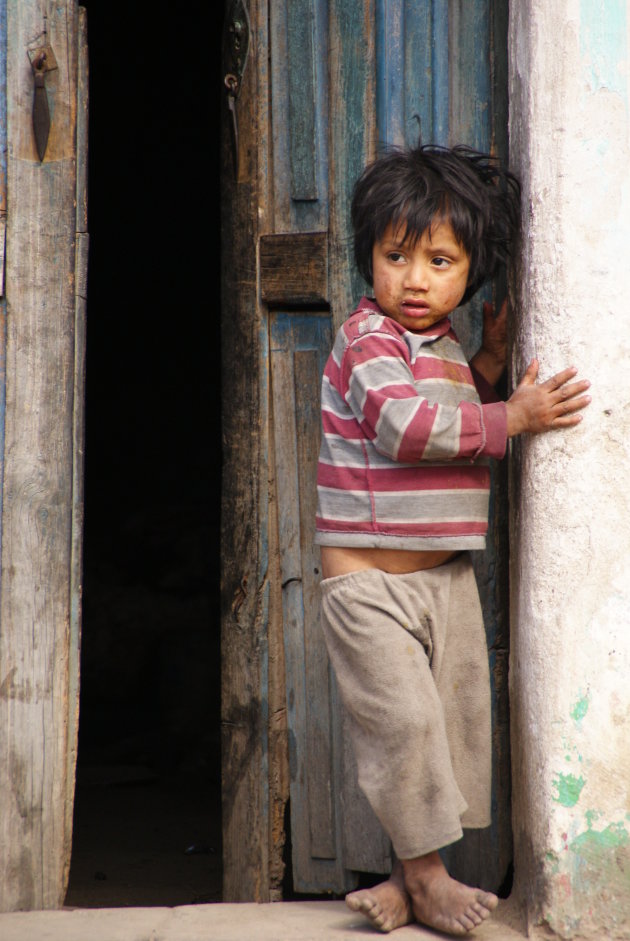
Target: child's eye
x=440 y=262
x=396 y=257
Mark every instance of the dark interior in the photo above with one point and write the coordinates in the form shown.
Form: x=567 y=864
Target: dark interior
x=147 y=812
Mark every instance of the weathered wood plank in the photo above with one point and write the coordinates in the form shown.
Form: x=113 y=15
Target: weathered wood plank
x=499 y=12
x=352 y=136
x=3 y=243
x=470 y=100
x=290 y=578
x=307 y=379
x=390 y=75
x=35 y=724
x=279 y=778
x=244 y=548
x=294 y=268
x=441 y=60
x=418 y=64
x=78 y=423
x=299 y=101
x=298 y=344
x=302 y=100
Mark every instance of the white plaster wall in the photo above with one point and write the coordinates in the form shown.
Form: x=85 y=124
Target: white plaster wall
x=570 y=497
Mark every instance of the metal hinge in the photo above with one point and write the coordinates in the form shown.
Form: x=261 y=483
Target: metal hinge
x=235 y=53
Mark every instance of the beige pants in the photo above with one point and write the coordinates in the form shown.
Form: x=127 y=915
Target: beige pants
x=410 y=657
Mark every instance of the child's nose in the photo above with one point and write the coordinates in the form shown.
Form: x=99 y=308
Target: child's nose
x=417 y=276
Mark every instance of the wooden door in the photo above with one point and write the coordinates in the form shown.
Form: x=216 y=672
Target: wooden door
x=44 y=242
x=324 y=84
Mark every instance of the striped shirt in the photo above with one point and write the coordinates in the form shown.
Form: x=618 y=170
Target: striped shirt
x=405 y=439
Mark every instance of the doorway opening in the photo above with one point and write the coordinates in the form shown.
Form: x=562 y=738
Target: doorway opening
x=147 y=827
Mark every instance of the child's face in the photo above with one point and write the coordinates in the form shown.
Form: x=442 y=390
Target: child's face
x=419 y=286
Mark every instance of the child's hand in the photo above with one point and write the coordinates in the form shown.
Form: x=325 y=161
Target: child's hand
x=551 y=405
x=494 y=339
x=491 y=357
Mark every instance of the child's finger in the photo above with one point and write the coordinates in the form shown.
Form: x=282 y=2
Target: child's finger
x=502 y=315
x=531 y=374
x=567 y=421
x=488 y=311
x=555 y=382
x=569 y=391
x=573 y=403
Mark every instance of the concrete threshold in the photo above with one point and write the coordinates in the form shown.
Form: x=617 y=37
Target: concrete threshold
x=279 y=921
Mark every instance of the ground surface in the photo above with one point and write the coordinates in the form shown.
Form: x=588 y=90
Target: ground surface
x=281 y=921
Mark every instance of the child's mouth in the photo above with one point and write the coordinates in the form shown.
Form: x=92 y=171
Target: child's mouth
x=418 y=309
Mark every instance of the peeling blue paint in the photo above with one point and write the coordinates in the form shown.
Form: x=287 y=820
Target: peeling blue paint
x=603 y=45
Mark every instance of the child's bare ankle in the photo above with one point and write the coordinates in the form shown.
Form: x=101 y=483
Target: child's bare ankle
x=422 y=867
x=441 y=902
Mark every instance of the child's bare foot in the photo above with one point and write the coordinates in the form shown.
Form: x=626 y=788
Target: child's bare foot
x=442 y=902
x=387 y=904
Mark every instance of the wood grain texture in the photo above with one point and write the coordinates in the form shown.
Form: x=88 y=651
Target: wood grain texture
x=290 y=580
x=298 y=345
x=352 y=108
x=294 y=268
x=279 y=778
x=78 y=426
x=37 y=716
x=299 y=115
x=245 y=492
x=418 y=100
x=470 y=103
x=302 y=99
x=318 y=743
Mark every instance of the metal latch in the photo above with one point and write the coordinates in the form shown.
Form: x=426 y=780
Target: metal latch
x=42 y=61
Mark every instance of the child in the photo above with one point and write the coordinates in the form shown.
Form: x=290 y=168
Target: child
x=403 y=484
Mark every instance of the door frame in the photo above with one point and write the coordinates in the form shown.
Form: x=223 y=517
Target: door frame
x=42 y=356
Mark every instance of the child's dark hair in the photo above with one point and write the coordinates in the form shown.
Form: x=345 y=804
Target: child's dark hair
x=413 y=189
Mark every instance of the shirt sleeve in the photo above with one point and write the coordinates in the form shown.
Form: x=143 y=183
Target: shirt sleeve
x=378 y=385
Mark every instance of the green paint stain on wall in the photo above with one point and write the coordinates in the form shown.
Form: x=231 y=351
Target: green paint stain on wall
x=553 y=862
x=591 y=817
x=569 y=789
x=593 y=881
x=580 y=709
x=614 y=836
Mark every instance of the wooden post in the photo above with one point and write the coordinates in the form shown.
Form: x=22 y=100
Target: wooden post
x=38 y=631
x=245 y=588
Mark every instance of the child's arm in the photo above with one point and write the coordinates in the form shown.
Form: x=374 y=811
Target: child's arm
x=532 y=408
x=491 y=358
x=375 y=380
x=550 y=405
